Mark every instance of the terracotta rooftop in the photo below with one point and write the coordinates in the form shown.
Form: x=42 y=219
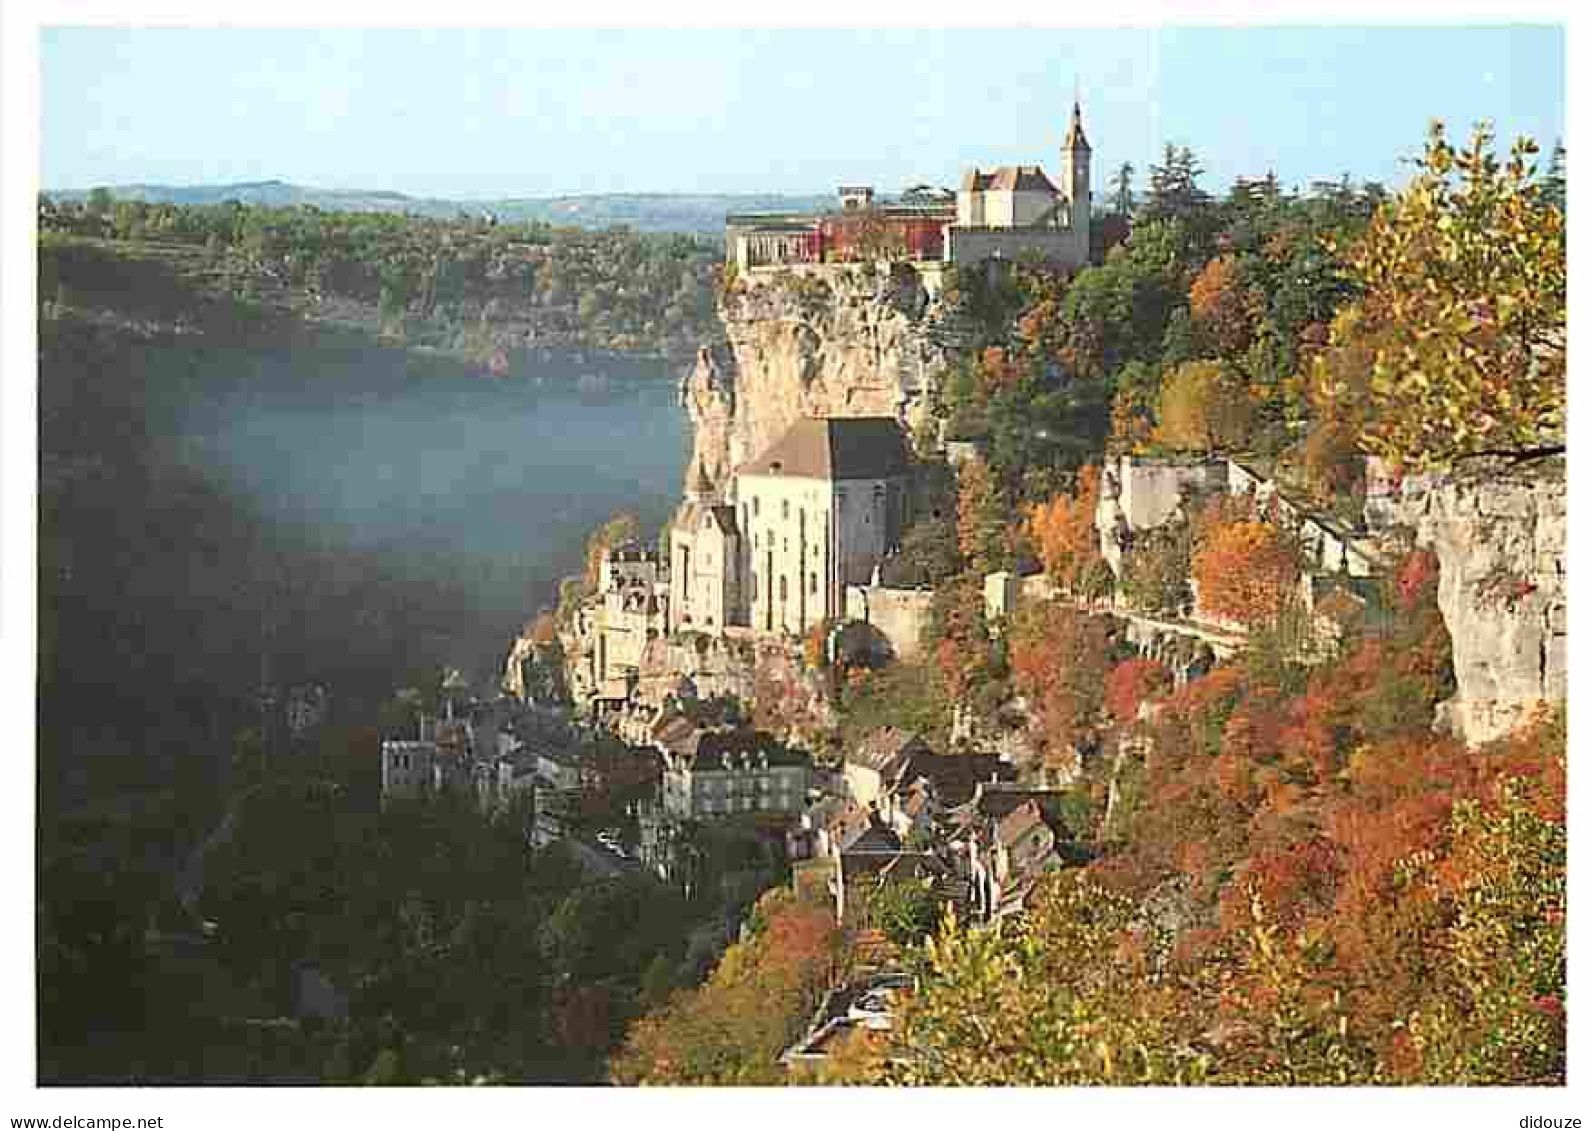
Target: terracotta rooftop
x=858 y=447
x=1009 y=178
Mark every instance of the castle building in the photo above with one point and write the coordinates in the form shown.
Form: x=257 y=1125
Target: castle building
x=1017 y=210
x=775 y=549
x=1003 y=213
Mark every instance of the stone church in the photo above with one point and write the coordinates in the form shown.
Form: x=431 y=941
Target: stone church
x=774 y=548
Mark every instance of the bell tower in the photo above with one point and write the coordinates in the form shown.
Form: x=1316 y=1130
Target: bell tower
x=1075 y=153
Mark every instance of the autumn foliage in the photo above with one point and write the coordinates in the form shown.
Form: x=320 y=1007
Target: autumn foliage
x=1245 y=571
x=984 y=531
x=1305 y=884
x=732 y=1028
x=1131 y=683
x=1463 y=310
x=1064 y=534
x=1059 y=658
x=1221 y=301
x=1205 y=407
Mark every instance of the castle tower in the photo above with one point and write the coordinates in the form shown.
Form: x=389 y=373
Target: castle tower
x=1075 y=178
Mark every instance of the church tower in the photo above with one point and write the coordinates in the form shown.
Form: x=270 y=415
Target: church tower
x=1075 y=176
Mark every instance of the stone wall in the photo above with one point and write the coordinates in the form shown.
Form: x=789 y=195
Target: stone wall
x=973 y=245
x=1500 y=545
x=898 y=614
x=1139 y=494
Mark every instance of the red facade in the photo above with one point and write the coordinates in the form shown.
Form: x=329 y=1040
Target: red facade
x=921 y=235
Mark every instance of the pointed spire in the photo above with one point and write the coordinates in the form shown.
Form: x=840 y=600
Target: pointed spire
x=1075 y=139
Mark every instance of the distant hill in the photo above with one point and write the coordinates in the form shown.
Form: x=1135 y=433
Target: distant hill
x=701 y=214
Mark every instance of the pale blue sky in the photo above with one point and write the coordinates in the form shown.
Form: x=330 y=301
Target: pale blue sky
x=540 y=112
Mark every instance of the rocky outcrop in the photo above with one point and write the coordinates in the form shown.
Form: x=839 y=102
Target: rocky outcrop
x=818 y=341
x=768 y=674
x=1499 y=538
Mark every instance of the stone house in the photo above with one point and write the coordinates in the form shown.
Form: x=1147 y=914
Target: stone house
x=1012 y=837
x=406 y=768
x=716 y=774
x=613 y=627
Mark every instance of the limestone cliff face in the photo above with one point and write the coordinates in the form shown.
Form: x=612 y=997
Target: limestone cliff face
x=835 y=341
x=1500 y=545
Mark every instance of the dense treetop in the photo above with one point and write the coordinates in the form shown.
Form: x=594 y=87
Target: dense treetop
x=466 y=283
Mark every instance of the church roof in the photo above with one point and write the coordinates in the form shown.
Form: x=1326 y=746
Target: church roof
x=858 y=447
x=1009 y=178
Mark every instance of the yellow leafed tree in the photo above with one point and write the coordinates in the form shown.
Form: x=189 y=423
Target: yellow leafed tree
x=1463 y=306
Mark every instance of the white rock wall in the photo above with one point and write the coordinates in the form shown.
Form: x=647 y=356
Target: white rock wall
x=1500 y=545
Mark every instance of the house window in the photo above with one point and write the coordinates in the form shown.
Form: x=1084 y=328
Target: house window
x=756 y=507
x=784 y=588
x=812 y=583
x=754 y=585
x=784 y=509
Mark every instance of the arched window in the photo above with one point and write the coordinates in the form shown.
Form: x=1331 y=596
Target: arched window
x=784 y=588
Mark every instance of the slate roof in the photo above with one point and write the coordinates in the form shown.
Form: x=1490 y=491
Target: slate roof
x=857 y=830
x=955 y=777
x=712 y=745
x=855 y=447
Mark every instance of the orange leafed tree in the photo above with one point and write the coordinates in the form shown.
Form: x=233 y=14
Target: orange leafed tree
x=996 y=371
x=1246 y=571
x=1063 y=532
x=543 y=628
x=1222 y=303
x=1130 y=683
x=1059 y=658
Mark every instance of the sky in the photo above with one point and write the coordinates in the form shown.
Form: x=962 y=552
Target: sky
x=537 y=112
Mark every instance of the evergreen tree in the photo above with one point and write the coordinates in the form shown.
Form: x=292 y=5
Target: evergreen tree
x=1122 y=194
x=1174 y=185
x=1553 y=185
